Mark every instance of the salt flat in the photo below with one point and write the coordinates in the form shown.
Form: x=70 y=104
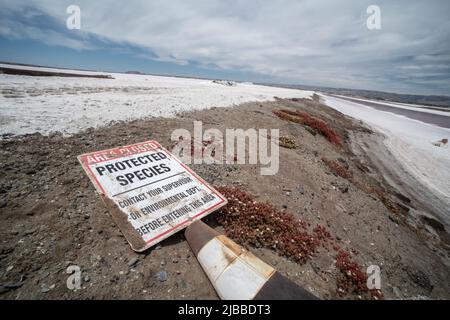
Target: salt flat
x=407 y=106
x=46 y=104
x=410 y=142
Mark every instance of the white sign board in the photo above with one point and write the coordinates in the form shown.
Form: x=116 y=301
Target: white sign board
x=149 y=192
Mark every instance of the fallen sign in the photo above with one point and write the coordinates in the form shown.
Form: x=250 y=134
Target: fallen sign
x=148 y=191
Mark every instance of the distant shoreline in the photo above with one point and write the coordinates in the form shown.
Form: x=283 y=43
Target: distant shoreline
x=438 y=102
x=438 y=120
x=41 y=73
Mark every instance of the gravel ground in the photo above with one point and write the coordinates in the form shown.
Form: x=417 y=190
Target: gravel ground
x=52 y=217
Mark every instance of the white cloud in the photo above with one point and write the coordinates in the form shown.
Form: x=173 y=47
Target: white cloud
x=311 y=41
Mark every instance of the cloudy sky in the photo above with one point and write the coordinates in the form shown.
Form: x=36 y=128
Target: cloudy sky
x=310 y=42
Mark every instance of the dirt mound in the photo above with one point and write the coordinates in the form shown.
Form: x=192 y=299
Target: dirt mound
x=52 y=218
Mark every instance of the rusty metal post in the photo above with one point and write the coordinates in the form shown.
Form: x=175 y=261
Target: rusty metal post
x=235 y=272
